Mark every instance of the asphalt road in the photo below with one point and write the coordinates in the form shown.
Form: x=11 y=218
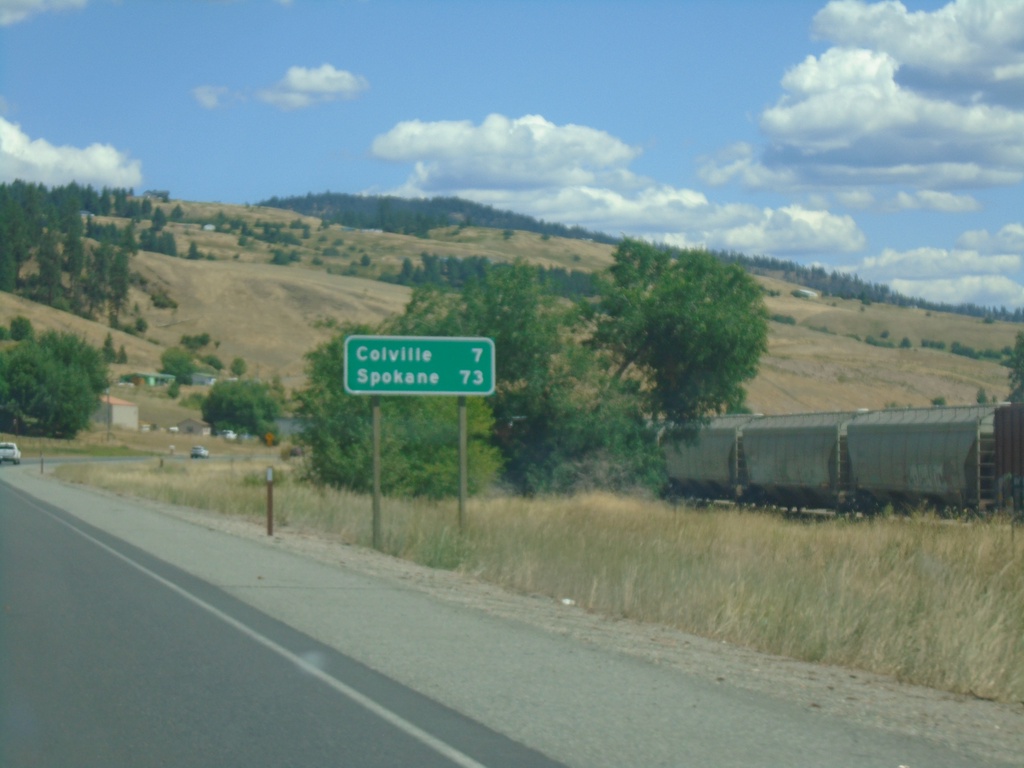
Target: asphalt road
x=111 y=657
x=132 y=637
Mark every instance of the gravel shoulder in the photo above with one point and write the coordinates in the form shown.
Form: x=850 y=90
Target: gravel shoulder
x=992 y=731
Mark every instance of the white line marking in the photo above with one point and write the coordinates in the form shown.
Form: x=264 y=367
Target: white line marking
x=442 y=748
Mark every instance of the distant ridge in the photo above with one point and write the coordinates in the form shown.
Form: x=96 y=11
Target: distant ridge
x=417 y=216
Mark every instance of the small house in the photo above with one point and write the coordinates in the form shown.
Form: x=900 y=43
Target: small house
x=115 y=412
x=147 y=379
x=194 y=427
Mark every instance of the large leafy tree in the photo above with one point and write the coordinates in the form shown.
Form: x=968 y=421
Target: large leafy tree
x=242 y=406
x=690 y=329
x=178 y=362
x=51 y=385
x=559 y=423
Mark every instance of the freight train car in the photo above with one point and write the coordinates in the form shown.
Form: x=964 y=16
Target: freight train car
x=944 y=457
x=797 y=461
x=969 y=457
x=711 y=465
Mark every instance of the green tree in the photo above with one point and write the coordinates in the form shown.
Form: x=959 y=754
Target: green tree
x=560 y=423
x=159 y=219
x=48 y=259
x=243 y=406
x=52 y=385
x=21 y=328
x=1015 y=363
x=98 y=277
x=178 y=363
x=238 y=367
x=14 y=241
x=74 y=259
x=193 y=343
x=688 y=327
x=119 y=283
x=108 y=352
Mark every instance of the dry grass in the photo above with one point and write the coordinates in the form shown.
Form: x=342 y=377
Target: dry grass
x=933 y=603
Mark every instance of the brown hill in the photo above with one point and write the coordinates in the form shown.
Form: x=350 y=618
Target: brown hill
x=272 y=315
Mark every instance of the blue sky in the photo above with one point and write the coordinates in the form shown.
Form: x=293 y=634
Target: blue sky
x=878 y=137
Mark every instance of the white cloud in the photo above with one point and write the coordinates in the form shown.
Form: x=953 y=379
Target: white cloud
x=945 y=202
x=931 y=101
x=36 y=160
x=740 y=162
x=501 y=152
x=302 y=87
x=952 y=276
x=977 y=38
x=982 y=269
x=982 y=290
x=210 y=96
x=932 y=263
x=793 y=229
x=14 y=11
x=1009 y=239
x=861 y=199
x=581 y=176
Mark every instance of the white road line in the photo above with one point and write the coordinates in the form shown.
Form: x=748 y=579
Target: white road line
x=442 y=748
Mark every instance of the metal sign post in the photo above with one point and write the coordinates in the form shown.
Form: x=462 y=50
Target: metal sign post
x=376 y=472
x=463 y=463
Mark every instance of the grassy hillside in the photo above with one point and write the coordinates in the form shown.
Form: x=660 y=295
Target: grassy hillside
x=272 y=315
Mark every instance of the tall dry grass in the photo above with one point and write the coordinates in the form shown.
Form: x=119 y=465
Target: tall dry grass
x=931 y=602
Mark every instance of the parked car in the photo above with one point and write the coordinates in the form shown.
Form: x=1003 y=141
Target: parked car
x=227 y=434
x=9 y=452
x=198 y=452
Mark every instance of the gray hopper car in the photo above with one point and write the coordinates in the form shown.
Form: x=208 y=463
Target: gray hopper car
x=968 y=457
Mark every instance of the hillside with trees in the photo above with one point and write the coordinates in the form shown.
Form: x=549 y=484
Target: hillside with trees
x=264 y=286
x=419 y=216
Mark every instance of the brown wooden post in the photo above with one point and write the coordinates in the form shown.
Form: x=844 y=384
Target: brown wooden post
x=270 y=501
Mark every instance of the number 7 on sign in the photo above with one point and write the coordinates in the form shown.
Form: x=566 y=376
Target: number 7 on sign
x=477 y=354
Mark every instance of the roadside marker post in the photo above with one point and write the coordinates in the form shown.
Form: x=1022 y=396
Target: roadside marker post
x=270 y=501
x=419 y=365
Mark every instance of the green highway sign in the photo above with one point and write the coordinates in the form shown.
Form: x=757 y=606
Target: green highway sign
x=419 y=365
